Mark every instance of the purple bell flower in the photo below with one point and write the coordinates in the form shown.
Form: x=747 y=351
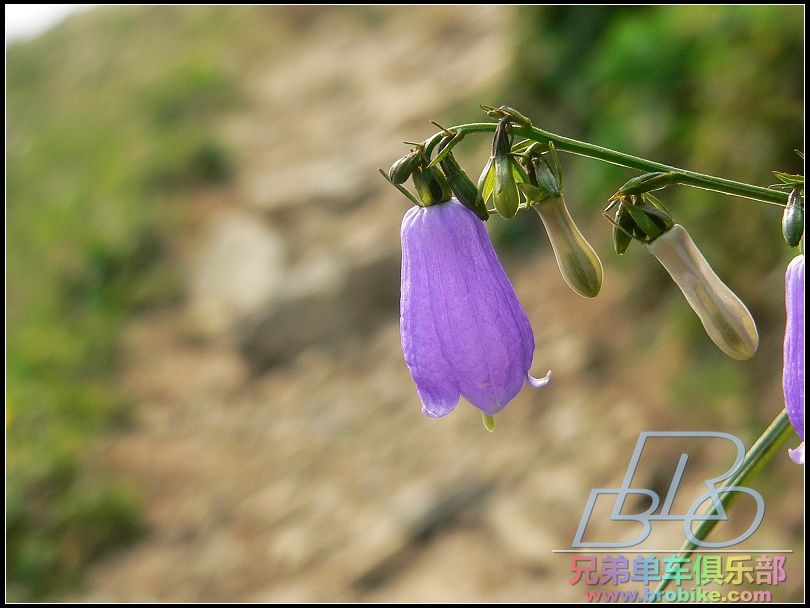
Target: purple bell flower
x=793 y=372
x=463 y=329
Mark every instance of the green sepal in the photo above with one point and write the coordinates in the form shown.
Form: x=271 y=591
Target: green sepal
x=462 y=187
x=650 y=229
x=649 y=182
x=446 y=146
x=544 y=177
x=486 y=183
x=622 y=230
x=532 y=193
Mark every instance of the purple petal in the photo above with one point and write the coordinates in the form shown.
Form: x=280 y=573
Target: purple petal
x=479 y=341
x=420 y=339
x=793 y=371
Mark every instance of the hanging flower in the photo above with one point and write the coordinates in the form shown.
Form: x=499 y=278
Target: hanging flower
x=793 y=371
x=463 y=329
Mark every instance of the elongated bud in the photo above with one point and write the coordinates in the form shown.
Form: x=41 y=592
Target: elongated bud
x=462 y=186
x=724 y=316
x=506 y=197
x=402 y=168
x=578 y=262
x=793 y=218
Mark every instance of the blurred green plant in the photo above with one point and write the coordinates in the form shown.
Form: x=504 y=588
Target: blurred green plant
x=100 y=145
x=710 y=88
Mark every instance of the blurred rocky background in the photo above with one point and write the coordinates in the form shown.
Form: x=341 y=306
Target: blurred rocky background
x=206 y=399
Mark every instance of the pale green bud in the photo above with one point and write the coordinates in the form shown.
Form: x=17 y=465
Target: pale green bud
x=725 y=318
x=578 y=262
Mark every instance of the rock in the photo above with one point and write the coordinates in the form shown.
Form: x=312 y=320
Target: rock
x=241 y=264
x=353 y=302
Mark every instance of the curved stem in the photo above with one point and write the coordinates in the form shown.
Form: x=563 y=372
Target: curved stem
x=757 y=457
x=581 y=148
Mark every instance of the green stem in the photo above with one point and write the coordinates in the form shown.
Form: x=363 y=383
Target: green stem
x=581 y=148
x=757 y=457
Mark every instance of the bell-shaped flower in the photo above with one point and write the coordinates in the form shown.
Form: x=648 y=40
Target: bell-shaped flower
x=793 y=371
x=463 y=330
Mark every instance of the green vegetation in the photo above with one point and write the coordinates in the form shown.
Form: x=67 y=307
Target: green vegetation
x=99 y=145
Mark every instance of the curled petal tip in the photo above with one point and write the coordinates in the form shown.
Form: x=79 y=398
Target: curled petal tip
x=797 y=455
x=539 y=382
x=438 y=400
x=436 y=413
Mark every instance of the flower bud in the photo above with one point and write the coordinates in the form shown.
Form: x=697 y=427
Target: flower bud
x=505 y=195
x=793 y=218
x=578 y=262
x=401 y=170
x=724 y=317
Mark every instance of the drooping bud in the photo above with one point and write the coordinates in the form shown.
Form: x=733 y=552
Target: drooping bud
x=578 y=262
x=460 y=183
x=793 y=218
x=402 y=168
x=723 y=315
x=505 y=195
x=576 y=259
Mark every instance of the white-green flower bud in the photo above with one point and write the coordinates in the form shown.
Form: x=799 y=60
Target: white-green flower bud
x=578 y=262
x=724 y=316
